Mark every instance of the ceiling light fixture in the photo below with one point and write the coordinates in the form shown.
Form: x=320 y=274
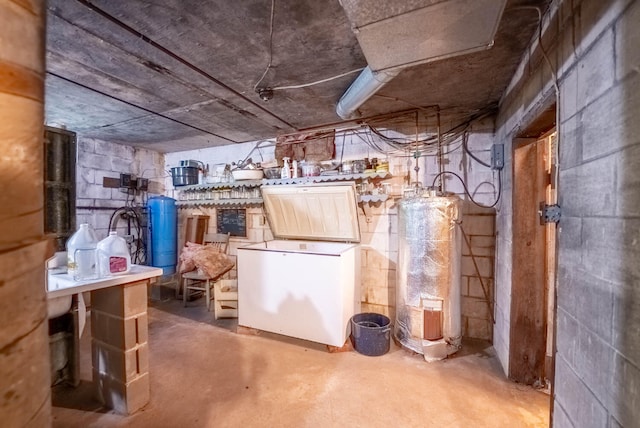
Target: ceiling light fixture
x=265 y=94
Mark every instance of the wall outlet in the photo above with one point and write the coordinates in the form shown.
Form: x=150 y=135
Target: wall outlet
x=497 y=156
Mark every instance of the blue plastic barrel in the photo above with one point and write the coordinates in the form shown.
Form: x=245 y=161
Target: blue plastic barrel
x=163 y=233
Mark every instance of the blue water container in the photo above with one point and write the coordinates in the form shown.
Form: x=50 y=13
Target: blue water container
x=163 y=233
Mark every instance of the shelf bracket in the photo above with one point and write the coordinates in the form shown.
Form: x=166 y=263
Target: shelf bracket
x=366 y=209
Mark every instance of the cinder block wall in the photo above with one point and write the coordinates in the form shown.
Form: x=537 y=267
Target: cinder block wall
x=379 y=230
x=595 y=46
x=98 y=159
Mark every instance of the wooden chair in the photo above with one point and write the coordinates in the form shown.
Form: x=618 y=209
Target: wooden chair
x=198 y=281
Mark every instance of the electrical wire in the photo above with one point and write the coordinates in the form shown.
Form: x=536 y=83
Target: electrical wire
x=317 y=82
x=556 y=87
x=273 y=8
x=466 y=190
x=465 y=147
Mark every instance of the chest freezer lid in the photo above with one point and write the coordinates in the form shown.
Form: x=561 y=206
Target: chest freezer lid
x=325 y=212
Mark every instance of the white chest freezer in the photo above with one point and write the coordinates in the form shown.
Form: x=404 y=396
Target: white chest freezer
x=306 y=282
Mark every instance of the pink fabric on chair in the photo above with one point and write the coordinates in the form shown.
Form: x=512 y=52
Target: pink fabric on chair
x=206 y=258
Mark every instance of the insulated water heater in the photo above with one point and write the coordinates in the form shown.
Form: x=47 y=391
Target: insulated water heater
x=428 y=319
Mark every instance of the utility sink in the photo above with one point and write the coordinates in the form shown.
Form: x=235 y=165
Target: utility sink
x=56 y=265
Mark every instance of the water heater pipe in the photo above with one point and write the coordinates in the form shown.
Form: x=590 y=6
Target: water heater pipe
x=364 y=87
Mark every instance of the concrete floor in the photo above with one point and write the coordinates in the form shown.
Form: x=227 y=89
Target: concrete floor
x=205 y=375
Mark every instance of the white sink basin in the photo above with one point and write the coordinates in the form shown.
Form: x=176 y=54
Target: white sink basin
x=58 y=306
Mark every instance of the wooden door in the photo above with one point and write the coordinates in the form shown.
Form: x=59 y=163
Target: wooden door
x=528 y=335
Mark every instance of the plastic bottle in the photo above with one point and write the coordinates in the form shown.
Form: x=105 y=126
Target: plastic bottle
x=81 y=254
x=113 y=255
x=286 y=169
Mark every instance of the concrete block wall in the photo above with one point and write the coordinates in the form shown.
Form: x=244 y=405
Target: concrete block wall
x=379 y=236
x=98 y=159
x=594 y=47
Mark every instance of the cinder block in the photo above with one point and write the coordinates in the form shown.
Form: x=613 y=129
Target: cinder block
x=123 y=333
x=92 y=191
x=114 y=149
x=85 y=146
x=628 y=179
x=626 y=321
x=566 y=336
x=478 y=329
x=122 y=365
x=87 y=175
x=560 y=417
x=587 y=189
x=595 y=17
x=379 y=295
x=479 y=225
x=122 y=301
x=123 y=165
x=485 y=266
x=610 y=248
x=582 y=407
x=378 y=309
x=625 y=391
x=593 y=362
x=475 y=308
x=627 y=40
x=609 y=124
x=376 y=260
x=596 y=70
x=476 y=287
x=92 y=160
x=124 y=398
x=483 y=245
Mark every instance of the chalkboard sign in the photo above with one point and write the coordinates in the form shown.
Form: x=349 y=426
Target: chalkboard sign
x=232 y=220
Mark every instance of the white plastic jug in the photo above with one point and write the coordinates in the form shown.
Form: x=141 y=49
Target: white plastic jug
x=81 y=254
x=113 y=255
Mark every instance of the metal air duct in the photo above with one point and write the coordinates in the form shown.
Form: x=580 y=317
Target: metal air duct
x=397 y=34
x=366 y=84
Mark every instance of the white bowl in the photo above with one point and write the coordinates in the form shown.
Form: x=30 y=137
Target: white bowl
x=247 y=174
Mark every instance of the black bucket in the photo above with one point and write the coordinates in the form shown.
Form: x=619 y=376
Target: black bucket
x=370 y=334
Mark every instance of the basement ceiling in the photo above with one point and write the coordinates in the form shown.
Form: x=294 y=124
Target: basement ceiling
x=173 y=75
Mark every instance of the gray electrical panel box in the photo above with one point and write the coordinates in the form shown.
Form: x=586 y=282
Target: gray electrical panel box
x=497 y=156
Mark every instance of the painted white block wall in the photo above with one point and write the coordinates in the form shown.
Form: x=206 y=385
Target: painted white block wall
x=98 y=159
x=379 y=236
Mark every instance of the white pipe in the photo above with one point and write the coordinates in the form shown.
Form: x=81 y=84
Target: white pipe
x=366 y=84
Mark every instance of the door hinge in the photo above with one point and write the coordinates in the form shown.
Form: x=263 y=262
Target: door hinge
x=549 y=213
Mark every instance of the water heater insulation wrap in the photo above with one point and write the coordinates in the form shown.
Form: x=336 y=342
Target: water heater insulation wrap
x=428 y=271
